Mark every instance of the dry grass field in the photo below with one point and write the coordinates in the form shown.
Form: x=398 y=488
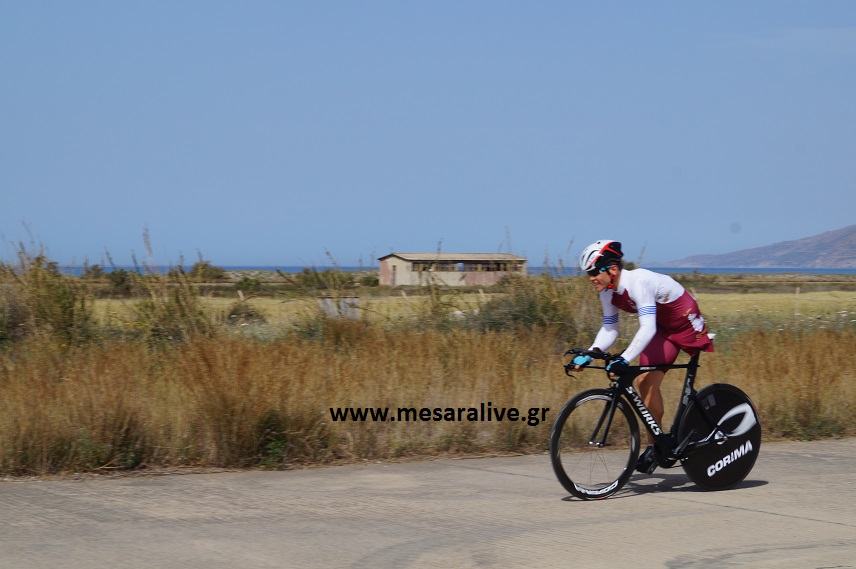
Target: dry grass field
x=773 y=305
x=284 y=311
x=170 y=380
x=227 y=401
x=726 y=308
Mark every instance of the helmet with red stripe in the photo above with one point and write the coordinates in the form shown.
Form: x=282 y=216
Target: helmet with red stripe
x=600 y=255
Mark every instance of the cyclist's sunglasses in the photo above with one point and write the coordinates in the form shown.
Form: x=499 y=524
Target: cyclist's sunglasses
x=594 y=272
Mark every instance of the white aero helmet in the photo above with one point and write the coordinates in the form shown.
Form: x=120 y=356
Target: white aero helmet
x=600 y=254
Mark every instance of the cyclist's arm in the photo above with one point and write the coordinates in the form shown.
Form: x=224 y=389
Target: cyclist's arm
x=646 y=308
x=608 y=332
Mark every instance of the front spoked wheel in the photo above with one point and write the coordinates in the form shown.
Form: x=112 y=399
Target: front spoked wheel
x=594 y=444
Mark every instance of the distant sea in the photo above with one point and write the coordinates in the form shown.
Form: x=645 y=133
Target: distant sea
x=565 y=271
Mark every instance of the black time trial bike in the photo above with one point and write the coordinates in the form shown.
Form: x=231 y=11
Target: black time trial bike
x=594 y=442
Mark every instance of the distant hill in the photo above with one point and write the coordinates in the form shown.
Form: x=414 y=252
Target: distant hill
x=831 y=250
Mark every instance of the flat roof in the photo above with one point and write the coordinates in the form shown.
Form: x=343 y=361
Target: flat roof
x=454 y=257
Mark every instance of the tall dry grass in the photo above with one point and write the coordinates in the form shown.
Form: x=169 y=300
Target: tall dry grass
x=170 y=385
x=230 y=401
x=803 y=382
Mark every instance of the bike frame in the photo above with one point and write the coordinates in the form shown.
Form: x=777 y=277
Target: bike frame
x=669 y=450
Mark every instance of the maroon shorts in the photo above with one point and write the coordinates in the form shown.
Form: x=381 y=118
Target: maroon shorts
x=680 y=326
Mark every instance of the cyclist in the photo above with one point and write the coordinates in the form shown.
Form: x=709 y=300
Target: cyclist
x=669 y=321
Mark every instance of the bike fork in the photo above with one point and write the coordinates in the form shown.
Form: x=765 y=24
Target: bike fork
x=607 y=415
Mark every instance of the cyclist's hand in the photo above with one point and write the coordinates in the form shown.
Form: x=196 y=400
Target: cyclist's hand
x=617 y=366
x=580 y=362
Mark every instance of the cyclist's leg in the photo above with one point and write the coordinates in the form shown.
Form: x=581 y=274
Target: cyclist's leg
x=648 y=386
x=659 y=351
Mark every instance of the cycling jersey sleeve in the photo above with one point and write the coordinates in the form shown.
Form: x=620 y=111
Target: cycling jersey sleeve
x=608 y=332
x=646 y=308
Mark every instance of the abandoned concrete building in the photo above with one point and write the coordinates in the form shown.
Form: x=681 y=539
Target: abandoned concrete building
x=448 y=269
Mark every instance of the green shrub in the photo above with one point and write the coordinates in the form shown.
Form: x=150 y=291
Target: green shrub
x=201 y=271
x=528 y=302
x=171 y=311
x=37 y=298
x=204 y=271
x=249 y=285
x=92 y=272
x=121 y=283
x=272 y=440
x=328 y=279
x=369 y=280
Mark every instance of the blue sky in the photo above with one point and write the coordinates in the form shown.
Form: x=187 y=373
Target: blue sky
x=269 y=132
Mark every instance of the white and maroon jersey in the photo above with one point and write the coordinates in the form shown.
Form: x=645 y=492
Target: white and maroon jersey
x=653 y=297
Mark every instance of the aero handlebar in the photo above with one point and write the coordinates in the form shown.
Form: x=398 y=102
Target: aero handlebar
x=594 y=354
x=607 y=357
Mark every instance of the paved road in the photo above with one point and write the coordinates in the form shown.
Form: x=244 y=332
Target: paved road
x=798 y=509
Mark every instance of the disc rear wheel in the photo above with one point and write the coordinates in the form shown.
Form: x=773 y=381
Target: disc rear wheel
x=722 y=416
